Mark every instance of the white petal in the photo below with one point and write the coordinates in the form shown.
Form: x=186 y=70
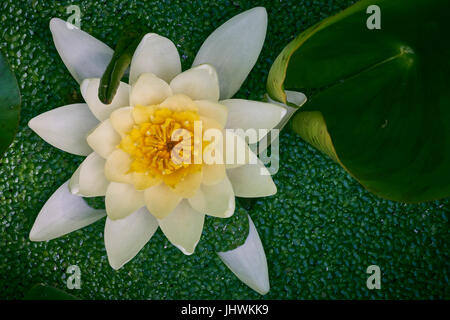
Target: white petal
x=161 y=200
x=104 y=139
x=117 y=167
x=74 y=181
x=246 y=114
x=213 y=173
x=252 y=180
x=233 y=49
x=188 y=186
x=122 y=199
x=213 y=110
x=149 y=90
x=89 y=180
x=66 y=128
x=198 y=83
x=61 y=214
x=183 y=227
x=124 y=238
x=84 y=56
x=179 y=102
x=248 y=262
x=89 y=90
x=295 y=97
x=122 y=120
x=157 y=55
x=215 y=200
x=236 y=151
x=209 y=123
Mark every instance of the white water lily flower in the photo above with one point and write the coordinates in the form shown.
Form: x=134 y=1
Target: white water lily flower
x=127 y=143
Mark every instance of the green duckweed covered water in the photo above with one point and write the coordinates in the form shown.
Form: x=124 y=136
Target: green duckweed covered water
x=320 y=231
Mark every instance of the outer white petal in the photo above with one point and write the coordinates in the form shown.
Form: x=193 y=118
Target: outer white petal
x=157 y=55
x=294 y=97
x=161 y=200
x=84 y=56
x=89 y=180
x=233 y=49
x=124 y=238
x=122 y=199
x=252 y=180
x=183 y=227
x=246 y=114
x=148 y=90
x=215 y=200
x=61 y=214
x=66 y=128
x=89 y=90
x=198 y=83
x=104 y=139
x=248 y=262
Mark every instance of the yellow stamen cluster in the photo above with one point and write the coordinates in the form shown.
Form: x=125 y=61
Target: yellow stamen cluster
x=150 y=142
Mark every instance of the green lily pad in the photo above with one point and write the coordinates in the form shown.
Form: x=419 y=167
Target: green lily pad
x=9 y=105
x=378 y=99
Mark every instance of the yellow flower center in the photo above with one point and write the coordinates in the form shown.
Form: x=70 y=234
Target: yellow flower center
x=151 y=142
